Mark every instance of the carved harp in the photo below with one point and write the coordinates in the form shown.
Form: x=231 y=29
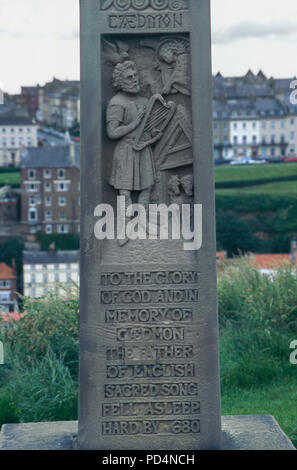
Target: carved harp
x=156 y=119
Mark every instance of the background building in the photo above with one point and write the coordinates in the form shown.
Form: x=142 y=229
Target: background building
x=16 y=133
x=50 y=184
x=8 y=287
x=253 y=118
x=49 y=271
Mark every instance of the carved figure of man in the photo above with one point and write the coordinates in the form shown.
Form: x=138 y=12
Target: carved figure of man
x=131 y=170
x=173 y=56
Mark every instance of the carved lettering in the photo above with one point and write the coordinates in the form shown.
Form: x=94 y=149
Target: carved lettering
x=180 y=389
x=176 y=408
x=149 y=296
x=152 y=21
x=115 y=428
x=149 y=315
x=153 y=353
x=149 y=278
x=151 y=334
x=150 y=371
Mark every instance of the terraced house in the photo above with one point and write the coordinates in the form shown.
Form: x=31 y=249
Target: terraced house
x=50 y=183
x=16 y=133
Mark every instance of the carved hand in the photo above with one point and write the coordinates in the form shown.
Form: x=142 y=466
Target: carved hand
x=166 y=90
x=138 y=119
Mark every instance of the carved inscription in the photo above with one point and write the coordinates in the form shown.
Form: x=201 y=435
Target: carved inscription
x=153 y=347
x=146 y=21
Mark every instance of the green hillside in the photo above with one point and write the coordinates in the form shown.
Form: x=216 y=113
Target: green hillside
x=257 y=208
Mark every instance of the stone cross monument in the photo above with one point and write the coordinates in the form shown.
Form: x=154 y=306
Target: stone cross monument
x=149 y=368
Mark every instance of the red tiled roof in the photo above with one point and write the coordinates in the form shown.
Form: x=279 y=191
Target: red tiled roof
x=221 y=255
x=270 y=261
x=6 y=272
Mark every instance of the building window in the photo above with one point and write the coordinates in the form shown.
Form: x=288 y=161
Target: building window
x=61 y=174
x=273 y=139
x=48 y=201
x=235 y=140
x=32 y=214
x=49 y=229
x=62 y=215
x=264 y=140
x=292 y=122
x=32 y=201
x=62 y=228
x=20 y=130
x=244 y=125
x=244 y=139
x=292 y=136
x=62 y=187
x=5 y=284
x=48 y=187
x=62 y=201
x=48 y=215
x=263 y=125
x=235 y=125
x=31 y=174
x=32 y=187
x=47 y=173
x=4 y=296
x=254 y=139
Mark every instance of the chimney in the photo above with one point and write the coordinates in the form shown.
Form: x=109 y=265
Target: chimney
x=72 y=153
x=294 y=252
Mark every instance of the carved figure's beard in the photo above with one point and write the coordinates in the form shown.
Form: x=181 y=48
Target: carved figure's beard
x=131 y=89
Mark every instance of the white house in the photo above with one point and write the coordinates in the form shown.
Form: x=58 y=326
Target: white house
x=16 y=133
x=49 y=271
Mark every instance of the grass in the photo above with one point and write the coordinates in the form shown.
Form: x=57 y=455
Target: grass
x=277 y=399
x=12 y=178
x=285 y=187
x=225 y=174
x=258 y=322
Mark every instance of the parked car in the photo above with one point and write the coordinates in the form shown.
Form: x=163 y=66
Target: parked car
x=290 y=159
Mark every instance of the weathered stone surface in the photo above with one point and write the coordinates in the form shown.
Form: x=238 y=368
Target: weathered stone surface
x=149 y=373
x=38 y=436
x=239 y=433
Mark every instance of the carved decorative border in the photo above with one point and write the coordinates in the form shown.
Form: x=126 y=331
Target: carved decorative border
x=141 y=5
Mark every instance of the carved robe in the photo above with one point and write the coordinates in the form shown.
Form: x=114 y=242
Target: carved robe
x=131 y=170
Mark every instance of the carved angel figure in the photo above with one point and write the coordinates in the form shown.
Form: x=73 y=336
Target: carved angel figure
x=173 y=62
